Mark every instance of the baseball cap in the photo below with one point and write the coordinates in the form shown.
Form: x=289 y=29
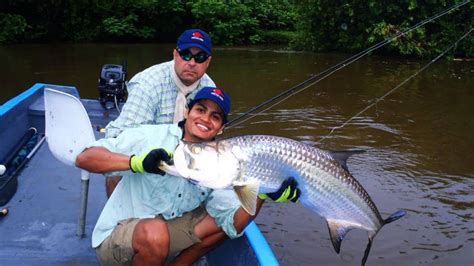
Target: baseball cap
x=195 y=38
x=219 y=96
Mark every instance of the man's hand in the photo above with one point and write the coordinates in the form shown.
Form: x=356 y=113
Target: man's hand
x=288 y=191
x=150 y=162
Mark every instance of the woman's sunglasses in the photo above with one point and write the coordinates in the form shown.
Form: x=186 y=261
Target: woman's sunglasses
x=186 y=55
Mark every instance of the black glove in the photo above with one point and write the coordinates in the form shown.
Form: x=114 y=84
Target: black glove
x=288 y=191
x=150 y=162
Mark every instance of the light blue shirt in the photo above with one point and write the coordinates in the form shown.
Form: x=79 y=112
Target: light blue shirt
x=147 y=195
x=151 y=98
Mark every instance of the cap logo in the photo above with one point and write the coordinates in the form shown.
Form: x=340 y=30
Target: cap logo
x=197 y=36
x=218 y=93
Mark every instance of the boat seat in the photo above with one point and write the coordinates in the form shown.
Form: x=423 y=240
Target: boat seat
x=36 y=108
x=68 y=130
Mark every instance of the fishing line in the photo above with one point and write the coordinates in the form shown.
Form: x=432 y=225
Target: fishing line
x=324 y=74
x=396 y=87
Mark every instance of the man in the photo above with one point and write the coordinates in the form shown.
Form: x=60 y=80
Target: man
x=157 y=95
x=150 y=218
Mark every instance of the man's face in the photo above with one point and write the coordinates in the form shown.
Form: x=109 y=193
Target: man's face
x=203 y=121
x=189 y=71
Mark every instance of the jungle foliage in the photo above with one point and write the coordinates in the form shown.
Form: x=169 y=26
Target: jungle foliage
x=315 y=25
x=358 y=24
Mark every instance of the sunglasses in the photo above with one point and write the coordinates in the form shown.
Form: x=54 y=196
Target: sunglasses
x=186 y=55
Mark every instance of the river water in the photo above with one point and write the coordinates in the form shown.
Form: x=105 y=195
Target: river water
x=418 y=139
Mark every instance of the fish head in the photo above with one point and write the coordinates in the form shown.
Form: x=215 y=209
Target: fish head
x=209 y=164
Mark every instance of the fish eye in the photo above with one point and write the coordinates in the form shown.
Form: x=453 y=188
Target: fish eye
x=196 y=149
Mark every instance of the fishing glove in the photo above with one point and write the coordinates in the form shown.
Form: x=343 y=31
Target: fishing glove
x=288 y=191
x=150 y=162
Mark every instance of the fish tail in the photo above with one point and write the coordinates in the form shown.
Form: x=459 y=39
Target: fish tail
x=367 y=250
x=393 y=217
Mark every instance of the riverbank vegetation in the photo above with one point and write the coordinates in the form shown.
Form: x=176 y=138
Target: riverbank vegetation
x=313 y=25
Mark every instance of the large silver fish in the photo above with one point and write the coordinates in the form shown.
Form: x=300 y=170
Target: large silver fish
x=259 y=164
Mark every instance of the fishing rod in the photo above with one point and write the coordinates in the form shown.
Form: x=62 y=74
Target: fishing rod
x=396 y=87
x=326 y=73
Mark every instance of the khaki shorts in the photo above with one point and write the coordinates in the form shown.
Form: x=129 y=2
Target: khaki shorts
x=117 y=248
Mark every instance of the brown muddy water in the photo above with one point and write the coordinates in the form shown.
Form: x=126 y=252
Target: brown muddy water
x=418 y=140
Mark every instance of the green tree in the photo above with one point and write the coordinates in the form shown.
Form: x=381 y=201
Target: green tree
x=353 y=25
x=228 y=23
x=11 y=27
x=315 y=25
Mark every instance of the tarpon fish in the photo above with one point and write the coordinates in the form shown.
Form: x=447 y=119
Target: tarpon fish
x=255 y=164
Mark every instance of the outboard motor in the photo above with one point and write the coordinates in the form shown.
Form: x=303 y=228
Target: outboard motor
x=112 y=87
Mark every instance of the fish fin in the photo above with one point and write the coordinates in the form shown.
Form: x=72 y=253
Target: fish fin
x=247 y=194
x=367 y=250
x=337 y=231
x=395 y=216
x=342 y=156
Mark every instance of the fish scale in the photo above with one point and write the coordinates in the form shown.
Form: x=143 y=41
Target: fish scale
x=327 y=188
x=258 y=147
x=318 y=163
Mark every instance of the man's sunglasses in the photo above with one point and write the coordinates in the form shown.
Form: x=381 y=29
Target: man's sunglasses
x=186 y=55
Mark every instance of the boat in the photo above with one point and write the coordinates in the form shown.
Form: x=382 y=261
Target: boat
x=42 y=221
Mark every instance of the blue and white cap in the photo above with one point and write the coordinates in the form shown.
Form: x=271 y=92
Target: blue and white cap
x=219 y=96
x=195 y=38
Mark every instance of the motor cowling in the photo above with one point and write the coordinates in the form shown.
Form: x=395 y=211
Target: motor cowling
x=112 y=85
